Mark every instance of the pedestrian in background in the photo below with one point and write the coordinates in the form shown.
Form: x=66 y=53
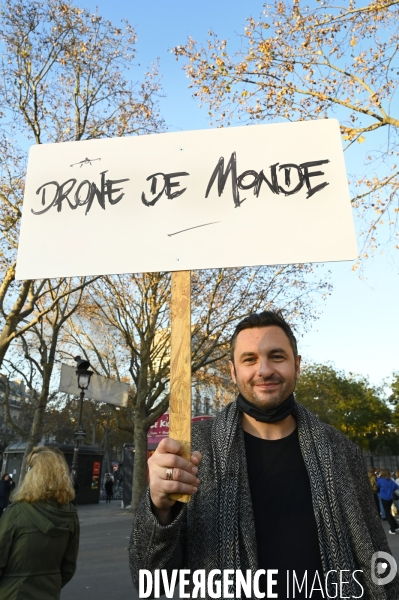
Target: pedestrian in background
x=39 y=531
x=395 y=494
x=382 y=511
x=386 y=487
x=5 y=488
x=109 y=488
x=373 y=483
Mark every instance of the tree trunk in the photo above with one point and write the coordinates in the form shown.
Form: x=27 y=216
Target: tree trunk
x=36 y=429
x=103 y=467
x=109 y=454
x=140 y=463
x=35 y=433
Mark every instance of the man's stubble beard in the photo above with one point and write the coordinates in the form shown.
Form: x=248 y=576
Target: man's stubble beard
x=271 y=403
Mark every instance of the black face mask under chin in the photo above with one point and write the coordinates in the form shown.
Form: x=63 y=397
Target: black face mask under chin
x=272 y=415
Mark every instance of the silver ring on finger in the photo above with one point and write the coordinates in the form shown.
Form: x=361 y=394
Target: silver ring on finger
x=169 y=474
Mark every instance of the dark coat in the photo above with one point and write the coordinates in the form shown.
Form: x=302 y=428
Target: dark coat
x=109 y=486
x=39 y=545
x=5 y=488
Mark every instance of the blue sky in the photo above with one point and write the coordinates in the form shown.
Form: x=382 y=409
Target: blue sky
x=358 y=330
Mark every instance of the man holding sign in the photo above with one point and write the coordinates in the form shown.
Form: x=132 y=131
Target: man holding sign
x=281 y=505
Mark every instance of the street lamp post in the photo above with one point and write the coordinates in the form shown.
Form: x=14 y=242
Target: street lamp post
x=83 y=375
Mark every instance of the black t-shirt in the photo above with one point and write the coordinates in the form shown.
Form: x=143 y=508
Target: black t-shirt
x=286 y=532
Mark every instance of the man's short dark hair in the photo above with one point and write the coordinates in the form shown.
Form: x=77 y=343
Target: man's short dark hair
x=267 y=318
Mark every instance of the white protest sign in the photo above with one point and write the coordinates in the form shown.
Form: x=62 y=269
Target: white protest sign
x=243 y=196
x=101 y=389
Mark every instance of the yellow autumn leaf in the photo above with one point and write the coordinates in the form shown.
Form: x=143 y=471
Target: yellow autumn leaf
x=361 y=139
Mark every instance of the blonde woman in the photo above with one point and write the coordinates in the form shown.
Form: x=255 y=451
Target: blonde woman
x=39 y=531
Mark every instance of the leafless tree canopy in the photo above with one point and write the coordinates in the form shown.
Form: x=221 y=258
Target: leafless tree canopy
x=325 y=59
x=63 y=77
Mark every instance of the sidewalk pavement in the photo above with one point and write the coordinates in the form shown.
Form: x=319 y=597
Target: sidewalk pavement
x=103 y=570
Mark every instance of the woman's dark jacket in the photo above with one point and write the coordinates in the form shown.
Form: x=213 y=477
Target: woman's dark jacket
x=39 y=545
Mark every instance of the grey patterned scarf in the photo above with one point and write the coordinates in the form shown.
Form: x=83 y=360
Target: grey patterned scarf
x=341 y=535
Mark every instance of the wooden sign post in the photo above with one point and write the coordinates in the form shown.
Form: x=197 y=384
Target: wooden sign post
x=180 y=365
